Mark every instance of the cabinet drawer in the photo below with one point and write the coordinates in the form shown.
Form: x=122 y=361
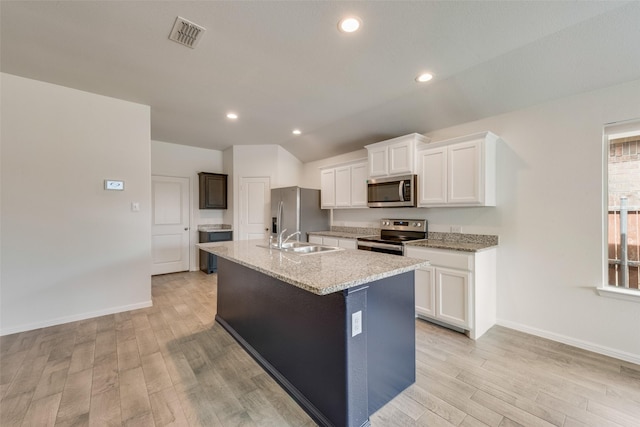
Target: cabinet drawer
x=443 y=258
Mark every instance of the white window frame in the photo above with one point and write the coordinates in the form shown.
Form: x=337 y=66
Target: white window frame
x=605 y=289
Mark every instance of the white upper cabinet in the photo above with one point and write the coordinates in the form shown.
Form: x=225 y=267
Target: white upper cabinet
x=344 y=186
x=432 y=166
x=465 y=177
x=327 y=188
x=395 y=156
x=458 y=172
x=359 y=185
x=378 y=161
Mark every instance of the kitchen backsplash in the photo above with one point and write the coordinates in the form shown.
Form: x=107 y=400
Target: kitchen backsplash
x=487 y=239
x=463 y=238
x=356 y=230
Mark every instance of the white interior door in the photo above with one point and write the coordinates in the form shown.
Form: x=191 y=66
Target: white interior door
x=255 y=207
x=169 y=224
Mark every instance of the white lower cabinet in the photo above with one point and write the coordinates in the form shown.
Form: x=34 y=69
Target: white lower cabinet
x=458 y=289
x=316 y=240
x=333 y=241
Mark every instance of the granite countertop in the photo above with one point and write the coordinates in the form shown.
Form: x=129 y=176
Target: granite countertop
x=214 y=228
x=320 y=274
x=452 y=246
x=339 y=234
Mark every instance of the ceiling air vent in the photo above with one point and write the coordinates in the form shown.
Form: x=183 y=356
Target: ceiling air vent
x=186 y=32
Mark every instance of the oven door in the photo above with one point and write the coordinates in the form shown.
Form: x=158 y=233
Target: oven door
x=384 y=248
x=396 y=191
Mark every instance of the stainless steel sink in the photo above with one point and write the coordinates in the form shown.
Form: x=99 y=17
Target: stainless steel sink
x=303 y=248
x=312 y=249
x=294 y=245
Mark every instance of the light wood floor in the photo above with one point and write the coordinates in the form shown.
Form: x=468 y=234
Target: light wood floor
x=172 y=365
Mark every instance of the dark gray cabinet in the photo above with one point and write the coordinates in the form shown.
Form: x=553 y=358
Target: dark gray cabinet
x=209 y=262
x=213 y=190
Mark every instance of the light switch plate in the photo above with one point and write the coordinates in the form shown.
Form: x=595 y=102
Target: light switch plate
x=110 y=184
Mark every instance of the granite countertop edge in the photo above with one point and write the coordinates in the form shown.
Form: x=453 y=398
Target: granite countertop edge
x=215 y=228
x=426 y=243
x=338 y=234
x=452 y=246
x=221 y=249
x=330 y=289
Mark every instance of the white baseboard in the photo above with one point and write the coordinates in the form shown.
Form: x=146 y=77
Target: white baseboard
x=74 y=318
x=585 y=345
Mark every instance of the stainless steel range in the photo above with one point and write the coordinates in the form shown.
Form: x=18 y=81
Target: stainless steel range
x=394 y=233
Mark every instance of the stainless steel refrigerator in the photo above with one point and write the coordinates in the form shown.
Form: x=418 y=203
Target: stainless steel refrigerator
x=300 y=212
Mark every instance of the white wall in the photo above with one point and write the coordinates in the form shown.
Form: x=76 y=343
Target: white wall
x=184 y=161
x=549 y=219
x=273 y=161
x=288 y=169
x=227 y=167
x=70 y=249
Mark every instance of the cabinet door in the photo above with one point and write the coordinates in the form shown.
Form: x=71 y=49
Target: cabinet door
x=378 y=161
x=465 y=173
x=343 y=186
x=317 y=240
x=433 y=177
x=452 y=297
x=347 y=244
x=359 y=185
x=327 y=188
x=330 y=241
x=213 y=190
x=401 y=158
x=425 y=292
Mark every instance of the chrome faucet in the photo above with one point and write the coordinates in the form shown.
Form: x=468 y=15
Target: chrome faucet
x=280 y=241
x=288 y=237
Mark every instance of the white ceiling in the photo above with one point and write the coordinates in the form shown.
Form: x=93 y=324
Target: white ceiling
x=283 y=65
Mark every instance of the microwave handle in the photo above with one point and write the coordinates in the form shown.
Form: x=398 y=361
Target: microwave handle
x=400 y=190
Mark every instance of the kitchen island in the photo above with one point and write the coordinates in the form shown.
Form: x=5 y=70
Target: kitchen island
x=336 y=329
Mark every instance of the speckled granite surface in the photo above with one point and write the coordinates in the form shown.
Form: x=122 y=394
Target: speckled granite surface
x=214 y=227
x=347 y=232
x=365 y=231
x=457 y=241
x=320 y=274
x=338 y=234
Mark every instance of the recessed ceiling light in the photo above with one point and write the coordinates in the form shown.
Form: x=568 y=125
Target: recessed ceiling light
x=424 y=77
x=296 y=132
x=350 y=24
x=232 y=116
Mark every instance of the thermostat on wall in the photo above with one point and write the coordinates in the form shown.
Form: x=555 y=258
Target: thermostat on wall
x=113 y=185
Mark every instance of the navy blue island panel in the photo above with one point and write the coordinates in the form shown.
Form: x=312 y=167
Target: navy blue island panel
x=307 y=342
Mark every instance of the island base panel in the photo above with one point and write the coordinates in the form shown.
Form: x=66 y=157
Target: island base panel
x=304 y=340
x=391 y=338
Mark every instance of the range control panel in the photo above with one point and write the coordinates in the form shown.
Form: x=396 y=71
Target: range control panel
x=419 y=225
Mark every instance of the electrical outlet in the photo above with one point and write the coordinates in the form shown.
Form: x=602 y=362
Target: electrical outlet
x=356 y=323
x=456 y=229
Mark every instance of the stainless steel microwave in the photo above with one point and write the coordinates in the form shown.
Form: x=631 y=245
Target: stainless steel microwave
x=392 y=192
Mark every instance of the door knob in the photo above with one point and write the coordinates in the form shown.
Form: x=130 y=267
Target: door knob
x=186 y=228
